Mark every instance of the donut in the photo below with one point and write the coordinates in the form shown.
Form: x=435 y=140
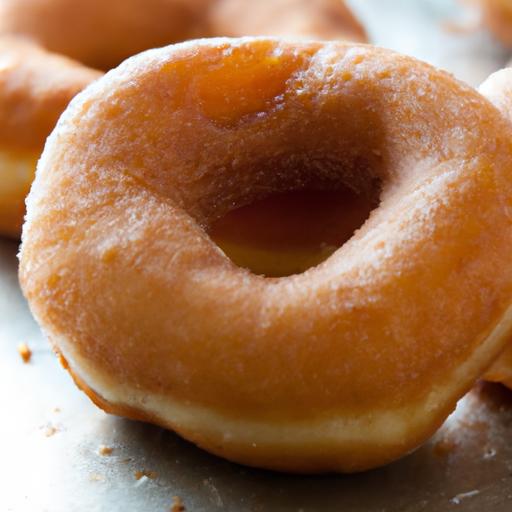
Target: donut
x=317 y=19
x=498 y=89
x=35 y=87
x=36 y=84
x=344 y=367
x=102 y=34
x=497 y=16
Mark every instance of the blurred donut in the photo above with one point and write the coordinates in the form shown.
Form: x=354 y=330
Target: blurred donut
x=35 y=87
x=497 y=16
x=102 y=34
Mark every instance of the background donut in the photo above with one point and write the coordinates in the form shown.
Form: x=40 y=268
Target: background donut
x=35 y=85
x=497 y=16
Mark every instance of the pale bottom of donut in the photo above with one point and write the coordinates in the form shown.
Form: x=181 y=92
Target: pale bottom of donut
x=501 y=370
x=304 y=446
x=16 y=175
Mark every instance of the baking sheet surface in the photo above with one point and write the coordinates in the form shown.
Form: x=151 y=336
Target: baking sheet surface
x=50 y=433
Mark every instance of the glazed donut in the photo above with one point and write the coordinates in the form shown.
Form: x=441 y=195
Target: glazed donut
x=288 y=233
x=497 y=16
x=102 y=34
x=344 y=367
x=317 y=19
x=498 y=88
x=36 y=86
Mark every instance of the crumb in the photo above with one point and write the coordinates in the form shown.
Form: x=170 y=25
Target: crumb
x=177 y=505
x=50 y=431
x=444 y=447
x=141 y=481
x=464 y=495
x=94 y=477
x=56 y=409
x=144 y=473
x=105 y=450
x=489 y=452
x=63 y=361
x=25 y=352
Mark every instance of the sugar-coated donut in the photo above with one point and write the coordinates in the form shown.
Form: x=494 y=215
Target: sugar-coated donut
x=102 y=34
x=501 y=370
x=497 y=16
x=498 y=88
x=344 y=367
x=35 y=86
x=318 y=19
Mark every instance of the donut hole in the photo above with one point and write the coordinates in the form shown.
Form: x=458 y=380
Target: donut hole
x=289 y=232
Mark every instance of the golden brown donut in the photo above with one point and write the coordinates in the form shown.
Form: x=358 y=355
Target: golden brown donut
x=497 y=16
x=36 y=86
x=498 y=88
x=344 y=367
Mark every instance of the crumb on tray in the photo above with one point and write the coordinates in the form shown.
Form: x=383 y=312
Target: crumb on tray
x=177 y=505
x=25 y=352
x=50 y=431
x=144 y=473
x=105 y=450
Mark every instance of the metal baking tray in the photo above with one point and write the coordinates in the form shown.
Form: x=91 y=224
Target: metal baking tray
x=50 y=434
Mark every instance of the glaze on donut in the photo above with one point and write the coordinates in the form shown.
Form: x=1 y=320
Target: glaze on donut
x=344 y=367
x=35 y=86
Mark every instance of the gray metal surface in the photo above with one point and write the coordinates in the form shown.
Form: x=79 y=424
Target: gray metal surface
x=50 y=433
